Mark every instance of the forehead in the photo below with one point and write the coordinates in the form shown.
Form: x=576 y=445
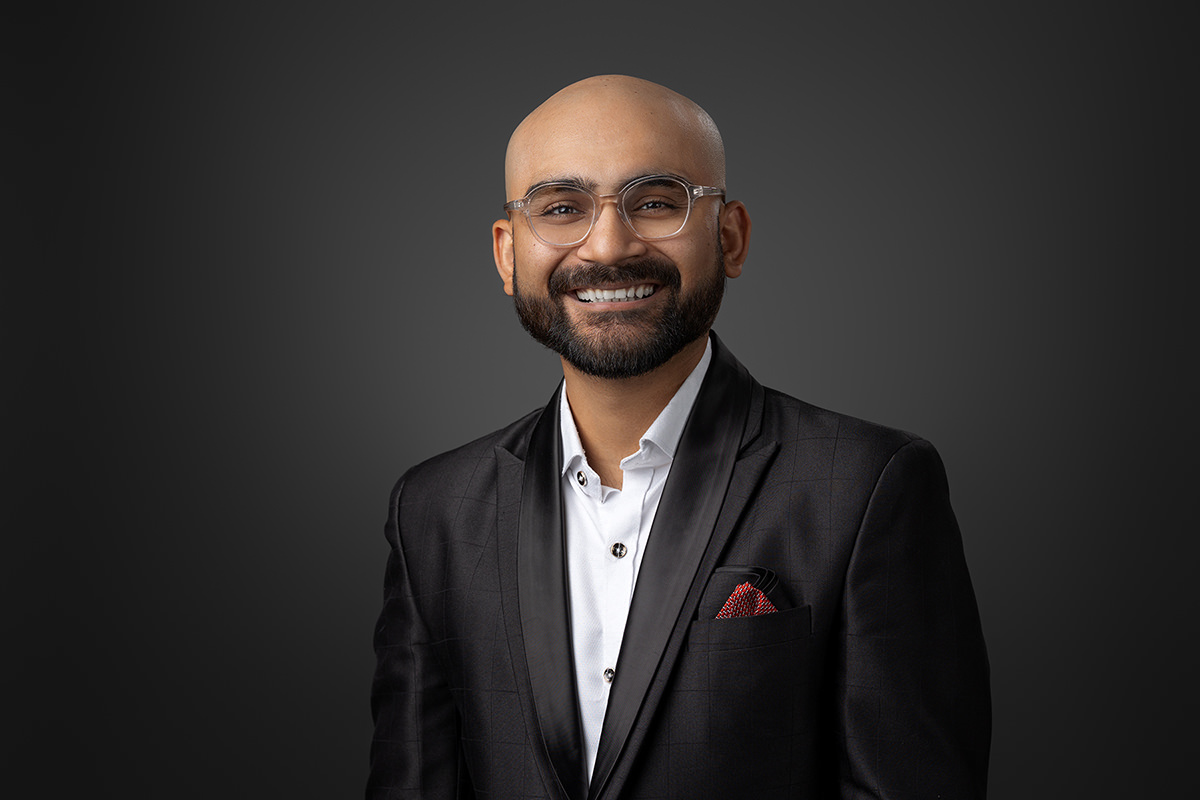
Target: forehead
x=605 y=143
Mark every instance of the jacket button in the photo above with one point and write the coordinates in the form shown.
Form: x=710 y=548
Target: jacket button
x=618 y=550
x=609 y=674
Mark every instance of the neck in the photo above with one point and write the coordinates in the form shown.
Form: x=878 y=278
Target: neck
x=612 y=414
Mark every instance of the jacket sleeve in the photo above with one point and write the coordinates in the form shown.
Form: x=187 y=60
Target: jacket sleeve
x=415 y=753
x=914 y=709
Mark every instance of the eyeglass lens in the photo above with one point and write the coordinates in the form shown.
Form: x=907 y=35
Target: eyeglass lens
x=654 y=208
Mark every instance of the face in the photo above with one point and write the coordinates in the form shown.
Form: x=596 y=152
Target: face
x=615 y=306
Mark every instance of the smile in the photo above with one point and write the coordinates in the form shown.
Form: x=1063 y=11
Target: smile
x=615 y=295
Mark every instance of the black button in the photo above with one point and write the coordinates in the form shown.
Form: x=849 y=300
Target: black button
x=579 y=476
x=609 y=674
x=618 y=550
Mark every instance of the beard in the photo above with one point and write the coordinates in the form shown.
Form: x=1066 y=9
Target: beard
x=622 y=344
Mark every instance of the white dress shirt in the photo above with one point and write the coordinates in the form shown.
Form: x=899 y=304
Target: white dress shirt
x=607 y=530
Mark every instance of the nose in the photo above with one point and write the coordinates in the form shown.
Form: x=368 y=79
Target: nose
x=611 y=241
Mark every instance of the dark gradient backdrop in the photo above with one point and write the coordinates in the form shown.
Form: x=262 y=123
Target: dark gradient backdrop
x=251 y=283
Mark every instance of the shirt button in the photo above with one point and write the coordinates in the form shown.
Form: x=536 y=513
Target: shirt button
x=579 y=476
x=609 y=674
x=618 y=550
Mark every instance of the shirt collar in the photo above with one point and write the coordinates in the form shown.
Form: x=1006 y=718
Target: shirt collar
x=658 y=444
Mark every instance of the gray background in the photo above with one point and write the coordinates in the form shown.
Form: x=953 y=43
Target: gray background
x=253 y=284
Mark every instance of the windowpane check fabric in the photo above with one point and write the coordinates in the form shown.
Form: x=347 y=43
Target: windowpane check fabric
x=870 y=680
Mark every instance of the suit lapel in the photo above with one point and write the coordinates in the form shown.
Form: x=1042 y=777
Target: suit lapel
x=543 y=603
x=703 y=498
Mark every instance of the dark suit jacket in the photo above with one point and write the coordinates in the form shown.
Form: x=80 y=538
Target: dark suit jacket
x=871 y=681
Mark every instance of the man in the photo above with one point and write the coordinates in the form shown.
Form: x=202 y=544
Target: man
x=670 y=582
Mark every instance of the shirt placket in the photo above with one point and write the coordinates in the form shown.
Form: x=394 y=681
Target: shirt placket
x=621 y=548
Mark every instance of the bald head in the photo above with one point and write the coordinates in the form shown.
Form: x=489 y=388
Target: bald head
x=616 y=127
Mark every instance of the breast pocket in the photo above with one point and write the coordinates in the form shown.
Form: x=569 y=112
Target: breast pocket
x=764 y=630
x=751 y=675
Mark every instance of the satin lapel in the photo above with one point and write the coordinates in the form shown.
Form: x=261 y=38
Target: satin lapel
x=543 y=603
x=510 y=471
x=699 y=491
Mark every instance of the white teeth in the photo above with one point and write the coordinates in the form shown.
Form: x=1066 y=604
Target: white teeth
x=614 y=295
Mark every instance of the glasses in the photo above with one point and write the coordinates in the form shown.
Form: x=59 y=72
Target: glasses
x=654 y=207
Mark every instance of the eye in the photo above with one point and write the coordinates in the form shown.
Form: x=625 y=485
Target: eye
x=560 y=210
x=654 y=204
x=562 y=213
x=657 y=197
x=560 y=205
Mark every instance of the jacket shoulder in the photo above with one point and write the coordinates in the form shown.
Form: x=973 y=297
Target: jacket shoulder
x=445 y=470
x=854 y=444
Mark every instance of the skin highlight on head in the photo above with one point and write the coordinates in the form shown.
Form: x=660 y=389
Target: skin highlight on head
x=603 y=108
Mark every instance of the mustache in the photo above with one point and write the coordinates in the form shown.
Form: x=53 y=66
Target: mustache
x=645 y=270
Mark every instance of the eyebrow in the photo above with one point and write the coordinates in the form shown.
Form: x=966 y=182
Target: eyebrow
x=591 y=185
x=572 y=180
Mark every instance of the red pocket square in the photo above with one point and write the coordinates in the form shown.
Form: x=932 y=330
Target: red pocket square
x=746 y=601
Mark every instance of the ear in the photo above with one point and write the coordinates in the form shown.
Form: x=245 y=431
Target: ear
x=502 y=252
x=735 y=236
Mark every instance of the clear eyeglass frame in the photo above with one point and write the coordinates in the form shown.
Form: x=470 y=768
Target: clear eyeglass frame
x=694 y=193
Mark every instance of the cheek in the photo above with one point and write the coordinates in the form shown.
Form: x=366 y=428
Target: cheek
x=698 y=261
x=533 y=264
x=704 y=242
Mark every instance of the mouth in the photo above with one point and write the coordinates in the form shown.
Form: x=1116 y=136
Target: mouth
x=623 y=294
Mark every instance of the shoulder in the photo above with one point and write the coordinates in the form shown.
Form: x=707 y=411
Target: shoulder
x=451 y=471
x=784 y=414
x=849 y=447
